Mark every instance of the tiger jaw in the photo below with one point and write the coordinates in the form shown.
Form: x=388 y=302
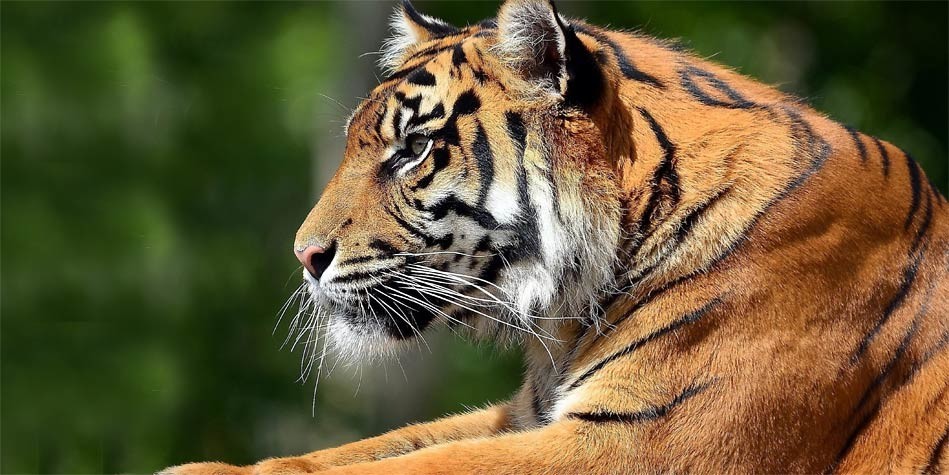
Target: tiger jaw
x=379 y=308
x=397 y=305
x=392 y=303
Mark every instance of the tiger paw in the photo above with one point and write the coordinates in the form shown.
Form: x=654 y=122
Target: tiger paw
x=284 y=466
x=210 y=468
x=277 y=466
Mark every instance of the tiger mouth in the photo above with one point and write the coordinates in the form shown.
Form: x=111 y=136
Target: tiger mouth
x=390 y=298
x=399 y=311
x=401 y=295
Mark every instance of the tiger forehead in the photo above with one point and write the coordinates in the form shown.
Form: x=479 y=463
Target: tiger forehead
x=450 y=58
x=433 y=74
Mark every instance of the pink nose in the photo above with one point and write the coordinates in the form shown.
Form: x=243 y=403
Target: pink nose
x=315 y=259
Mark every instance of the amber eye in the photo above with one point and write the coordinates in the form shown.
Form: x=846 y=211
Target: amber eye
x=417 y=144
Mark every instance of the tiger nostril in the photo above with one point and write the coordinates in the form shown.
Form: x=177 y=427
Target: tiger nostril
x=316 y=259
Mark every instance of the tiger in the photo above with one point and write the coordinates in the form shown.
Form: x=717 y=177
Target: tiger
x=704 y=273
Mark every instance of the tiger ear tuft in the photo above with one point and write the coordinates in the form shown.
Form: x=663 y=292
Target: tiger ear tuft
x=409 y=28
x=532 y=40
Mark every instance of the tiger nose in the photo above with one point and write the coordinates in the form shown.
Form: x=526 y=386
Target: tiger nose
x=315 y=259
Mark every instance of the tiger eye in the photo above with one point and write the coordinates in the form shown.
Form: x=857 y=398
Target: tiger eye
x=417 y=144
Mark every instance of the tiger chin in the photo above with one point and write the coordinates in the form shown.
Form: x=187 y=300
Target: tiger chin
x=705 y=274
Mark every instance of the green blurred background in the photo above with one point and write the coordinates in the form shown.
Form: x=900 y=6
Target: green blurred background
x=158 y=157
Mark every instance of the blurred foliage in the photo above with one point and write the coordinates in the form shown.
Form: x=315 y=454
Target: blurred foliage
x=156 y=164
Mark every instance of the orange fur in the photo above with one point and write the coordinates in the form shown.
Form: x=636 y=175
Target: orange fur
x=783 y=303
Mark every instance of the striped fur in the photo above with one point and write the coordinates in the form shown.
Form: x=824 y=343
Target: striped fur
x=706 y=275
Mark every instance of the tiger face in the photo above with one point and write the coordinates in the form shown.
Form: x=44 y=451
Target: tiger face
x=459 y=196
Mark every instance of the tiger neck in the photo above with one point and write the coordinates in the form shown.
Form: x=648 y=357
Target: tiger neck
x=697 y=161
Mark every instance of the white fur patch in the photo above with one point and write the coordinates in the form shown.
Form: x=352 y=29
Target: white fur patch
x=563 y=404
x=405 y=34
x=502 y=203
x=394 y=47
x=527 y=32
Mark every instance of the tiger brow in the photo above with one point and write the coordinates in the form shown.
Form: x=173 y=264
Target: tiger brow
x=419 y=120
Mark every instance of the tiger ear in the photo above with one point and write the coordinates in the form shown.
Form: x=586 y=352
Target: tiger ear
x=533 y=40
x=409 y=27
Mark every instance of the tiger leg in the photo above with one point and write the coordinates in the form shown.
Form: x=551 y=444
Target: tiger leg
x=482 y=423
x=567 y=446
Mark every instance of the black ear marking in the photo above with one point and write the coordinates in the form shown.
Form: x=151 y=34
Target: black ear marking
x=585 y=82
x=409 y=29
x=543 y=48
x=436 y=28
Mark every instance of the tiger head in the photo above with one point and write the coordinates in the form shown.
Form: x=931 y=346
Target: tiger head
x=474 y=190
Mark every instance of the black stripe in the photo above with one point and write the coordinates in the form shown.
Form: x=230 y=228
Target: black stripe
x=871 y=390
x=416 y=315
x=817 y=149
x=427 y=53
x=526 y=227
x=852 y=438
x=645 y=415
x=440 y=159
x=452 y=204
x=685 y=227
x=688 y=319
x=397 y=122
x=380 y=118
x=888 y=367
x=814 y=147
x=421 y=77
x=487 y=24
x=541 y=413
x=483 y=245
x=414 y=231
x=493 y=268
x=861 y=148
x=687 y=78
x=590 y=323
x=914 y=187
x=536 y=406
x=938 y=450
x=906 y=284
x=516 y=130
x=383 y=247
x=884 y=156
x=409 y=102
x=458 y=56
x=924 y=226
x=626 y=66
x=466 y=104
x=484 y=159
x=642 y=303
x=357 y=260
x=437 y=113
x=404 y=72
x=809 y=145
x=937 y=347
x=446 y=241
x=665 y=173
x=585 y=81
x=689 y=221
x=435 y=28
x=374 y=275
x=405 y=197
